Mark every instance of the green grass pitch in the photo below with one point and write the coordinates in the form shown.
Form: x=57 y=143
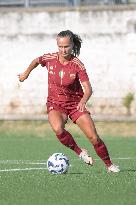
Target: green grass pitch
x=24 y=179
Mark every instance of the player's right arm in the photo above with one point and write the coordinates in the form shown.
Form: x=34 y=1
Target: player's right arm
x=23 y=76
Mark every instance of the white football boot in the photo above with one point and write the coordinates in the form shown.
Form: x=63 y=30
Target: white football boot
x=85 y=157
x=113 y=168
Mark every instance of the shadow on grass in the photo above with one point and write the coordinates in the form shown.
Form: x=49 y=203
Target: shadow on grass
x=128 y=170
x=121 y=171
x=72 y=173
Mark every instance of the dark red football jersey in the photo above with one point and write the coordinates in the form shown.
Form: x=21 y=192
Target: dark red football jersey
x=64 y=80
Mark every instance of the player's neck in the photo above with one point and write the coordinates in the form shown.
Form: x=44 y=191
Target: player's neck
x=64 y=60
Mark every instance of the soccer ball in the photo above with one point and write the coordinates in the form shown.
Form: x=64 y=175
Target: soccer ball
x=58 y=163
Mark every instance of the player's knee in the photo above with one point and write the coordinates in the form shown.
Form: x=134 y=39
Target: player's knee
x=58 y=129
x=93 y=139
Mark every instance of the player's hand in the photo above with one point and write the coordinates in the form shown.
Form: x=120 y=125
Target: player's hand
x=81 y=106
x=22 y=76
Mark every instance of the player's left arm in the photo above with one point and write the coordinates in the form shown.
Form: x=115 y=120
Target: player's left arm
x=87 y=94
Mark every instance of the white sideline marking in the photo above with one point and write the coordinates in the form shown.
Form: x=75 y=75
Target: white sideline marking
x=21 y=169
x=124 y=158
x=40 y=162
x=23 y=162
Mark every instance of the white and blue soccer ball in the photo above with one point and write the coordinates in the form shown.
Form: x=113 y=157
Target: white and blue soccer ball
x=58 y=163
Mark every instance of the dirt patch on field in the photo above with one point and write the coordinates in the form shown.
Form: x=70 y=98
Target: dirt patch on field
x=42 y=128
x=124 y=129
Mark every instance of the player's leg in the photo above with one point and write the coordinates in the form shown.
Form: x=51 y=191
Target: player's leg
x=86 y=124
x=57 y=121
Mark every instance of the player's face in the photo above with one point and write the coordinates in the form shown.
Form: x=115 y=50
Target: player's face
x=65 y=46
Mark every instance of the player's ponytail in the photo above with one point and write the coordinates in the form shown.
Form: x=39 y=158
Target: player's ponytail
x=74 y=38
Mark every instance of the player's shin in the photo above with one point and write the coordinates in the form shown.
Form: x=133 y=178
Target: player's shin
x=102 y=152
x=66 y=139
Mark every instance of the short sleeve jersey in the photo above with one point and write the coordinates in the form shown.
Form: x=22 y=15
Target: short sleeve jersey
x=64 y=81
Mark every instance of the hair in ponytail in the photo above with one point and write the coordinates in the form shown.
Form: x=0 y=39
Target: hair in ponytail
x=74 y=38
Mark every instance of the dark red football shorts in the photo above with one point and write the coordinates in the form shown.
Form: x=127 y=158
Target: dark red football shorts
x=69 y=108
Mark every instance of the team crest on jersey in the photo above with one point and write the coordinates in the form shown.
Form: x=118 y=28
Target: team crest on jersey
x=72 y=76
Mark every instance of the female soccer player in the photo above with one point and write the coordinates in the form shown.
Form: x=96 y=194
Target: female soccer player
x=66 y=98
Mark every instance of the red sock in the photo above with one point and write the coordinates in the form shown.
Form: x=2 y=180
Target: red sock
x=66 y=139
x=102 y=152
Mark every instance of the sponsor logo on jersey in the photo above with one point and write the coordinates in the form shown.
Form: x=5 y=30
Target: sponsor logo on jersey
x=51 y=67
